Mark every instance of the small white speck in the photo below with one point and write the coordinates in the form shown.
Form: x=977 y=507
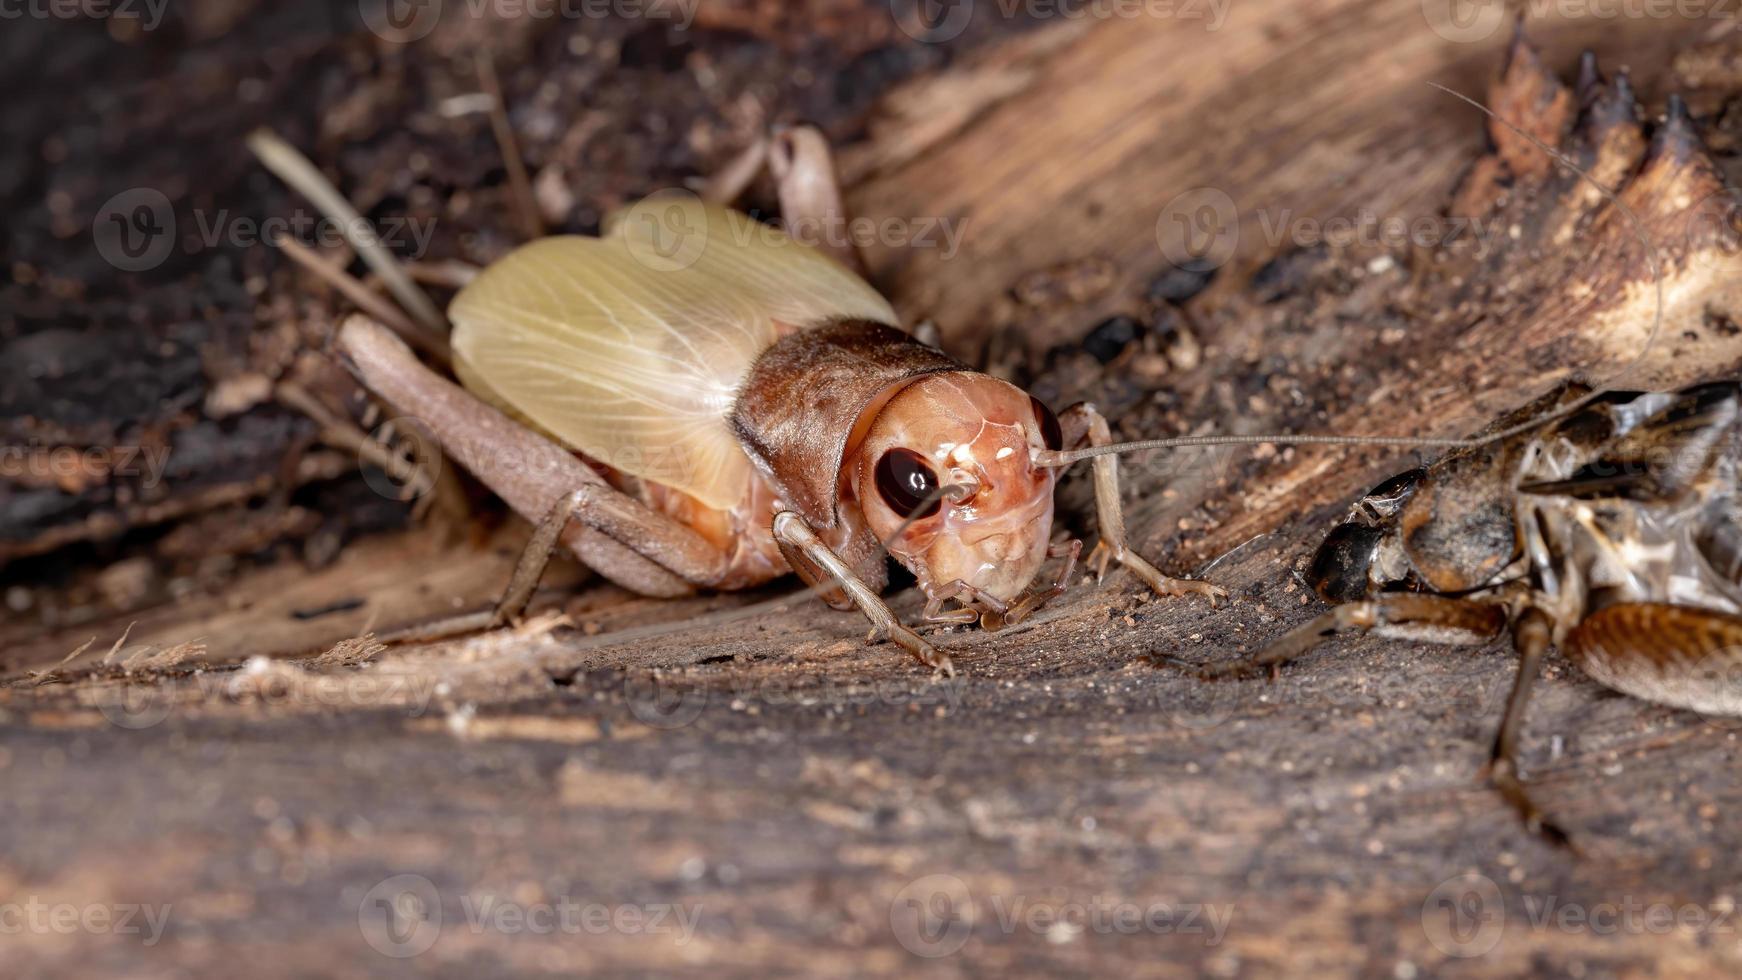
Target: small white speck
x=1060 y=933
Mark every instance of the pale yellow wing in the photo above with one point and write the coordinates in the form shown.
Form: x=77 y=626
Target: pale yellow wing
x=630 y=348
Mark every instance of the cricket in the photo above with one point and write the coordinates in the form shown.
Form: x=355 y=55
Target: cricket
x=848 y=488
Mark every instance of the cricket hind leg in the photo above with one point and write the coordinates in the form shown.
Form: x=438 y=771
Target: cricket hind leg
x=1403 y=615
x=631 y=544
x=816 y=563
x=1080 y=423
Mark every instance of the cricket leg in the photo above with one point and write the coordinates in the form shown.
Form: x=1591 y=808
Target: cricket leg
x=975 y=604
x=531 y=473
x=1401 y=615
x=810 y=193
x=1531 y=636
x=673 y=546
x=1031 y=601
x=1080 y=422
x=813 y=560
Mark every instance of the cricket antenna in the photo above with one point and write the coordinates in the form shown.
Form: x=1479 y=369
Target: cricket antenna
x=1065 y=458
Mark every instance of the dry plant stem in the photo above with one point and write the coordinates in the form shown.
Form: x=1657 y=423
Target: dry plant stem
x=732 y=180
x=448 y=273
x=434 y=345
x=303 y=176
x=525 y=204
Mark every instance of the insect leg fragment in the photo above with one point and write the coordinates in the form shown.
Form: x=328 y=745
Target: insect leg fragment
x=1428 y=618
x=814 y=561
x=1080 y=422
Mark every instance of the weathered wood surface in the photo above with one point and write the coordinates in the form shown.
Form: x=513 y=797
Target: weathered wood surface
x=798 y=790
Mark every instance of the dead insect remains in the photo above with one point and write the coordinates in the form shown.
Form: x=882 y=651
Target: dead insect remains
x=1611 y=534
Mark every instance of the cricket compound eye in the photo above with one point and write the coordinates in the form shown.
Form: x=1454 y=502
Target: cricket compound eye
x=1050 y=433
x=908 y=484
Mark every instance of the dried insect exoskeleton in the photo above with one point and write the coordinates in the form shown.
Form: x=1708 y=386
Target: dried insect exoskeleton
x=1601 y=523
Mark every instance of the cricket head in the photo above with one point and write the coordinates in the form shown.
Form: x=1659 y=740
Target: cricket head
x=947 y=477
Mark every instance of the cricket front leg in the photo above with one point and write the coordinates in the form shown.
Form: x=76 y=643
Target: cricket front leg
x=1081 y=422
x=815 y=562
